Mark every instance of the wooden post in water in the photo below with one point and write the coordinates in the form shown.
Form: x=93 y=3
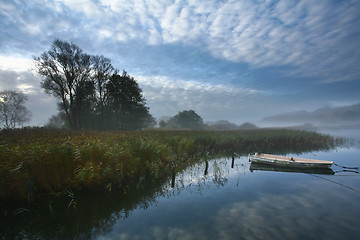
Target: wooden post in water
x=206 y=168
x=173 y=179
x=173 y=174
x=232 y=162
x=29 y=190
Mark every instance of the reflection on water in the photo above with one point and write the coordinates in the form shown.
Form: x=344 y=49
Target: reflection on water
x=210 y=200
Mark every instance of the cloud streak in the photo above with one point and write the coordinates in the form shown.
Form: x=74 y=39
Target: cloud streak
x=166 y=96
x=319 y=39
x=307 y=35
x=311 y=36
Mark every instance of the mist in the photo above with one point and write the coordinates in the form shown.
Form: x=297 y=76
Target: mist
x=338 y=117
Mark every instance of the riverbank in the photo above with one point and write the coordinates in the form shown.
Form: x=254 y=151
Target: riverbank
x=37 y=163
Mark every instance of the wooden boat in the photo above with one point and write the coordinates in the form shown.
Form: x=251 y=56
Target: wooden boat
x=288 y=161
x=273 y=168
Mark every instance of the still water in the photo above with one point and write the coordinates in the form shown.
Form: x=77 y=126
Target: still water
x=235 y=203
x=212 y=201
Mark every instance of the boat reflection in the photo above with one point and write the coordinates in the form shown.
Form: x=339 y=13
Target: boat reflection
x=266 y=167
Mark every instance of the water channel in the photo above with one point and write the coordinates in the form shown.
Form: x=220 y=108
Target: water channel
x=212 y=200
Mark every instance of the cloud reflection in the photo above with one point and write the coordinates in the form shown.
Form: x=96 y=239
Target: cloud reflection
x=284 y=208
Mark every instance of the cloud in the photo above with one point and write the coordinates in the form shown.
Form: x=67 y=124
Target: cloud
x=317 y=39
x=17 y=80
x=15 y=63
x=220 y=43
x=41 y=106
x=29 y=26
x=260 y=218
x=313 y=37
x=89 y=7
x=166 y=97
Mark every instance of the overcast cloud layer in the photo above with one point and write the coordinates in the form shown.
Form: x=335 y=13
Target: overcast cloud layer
x=234 y=60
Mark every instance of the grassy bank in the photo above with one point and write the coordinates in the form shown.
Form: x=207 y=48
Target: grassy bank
x=44 y=163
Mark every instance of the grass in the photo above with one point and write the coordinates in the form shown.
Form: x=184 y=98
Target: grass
x=36 y=163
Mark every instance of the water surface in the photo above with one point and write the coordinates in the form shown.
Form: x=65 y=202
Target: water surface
x=235 y=203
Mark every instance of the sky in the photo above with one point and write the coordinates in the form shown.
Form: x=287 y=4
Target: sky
x=227 y=60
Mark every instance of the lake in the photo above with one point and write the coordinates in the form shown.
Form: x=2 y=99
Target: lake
x=211 y=201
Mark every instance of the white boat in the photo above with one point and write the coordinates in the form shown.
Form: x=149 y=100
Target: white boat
x=273 y=168
x=288 y=161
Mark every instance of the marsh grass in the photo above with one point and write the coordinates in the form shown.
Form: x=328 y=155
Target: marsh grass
x=54 y=163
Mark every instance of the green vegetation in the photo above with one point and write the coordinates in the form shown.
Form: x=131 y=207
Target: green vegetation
x=38 y=163
x=187 y=119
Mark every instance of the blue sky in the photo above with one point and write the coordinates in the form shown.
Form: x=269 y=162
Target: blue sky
x=233 y=60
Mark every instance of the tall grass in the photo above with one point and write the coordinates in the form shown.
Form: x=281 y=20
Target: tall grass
x=47 y=163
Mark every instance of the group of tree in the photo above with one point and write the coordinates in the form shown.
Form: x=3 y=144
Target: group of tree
x=91 y=92
x=92 y=95
x=187 y=119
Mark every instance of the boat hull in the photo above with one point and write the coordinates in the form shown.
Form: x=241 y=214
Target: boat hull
x=273 y=168
x=282 y=161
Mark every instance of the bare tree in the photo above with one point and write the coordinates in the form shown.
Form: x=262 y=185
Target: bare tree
x=12 y=109
x=66 y=74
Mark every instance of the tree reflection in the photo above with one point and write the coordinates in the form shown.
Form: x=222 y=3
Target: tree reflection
x=211 y=173
x=94 y=214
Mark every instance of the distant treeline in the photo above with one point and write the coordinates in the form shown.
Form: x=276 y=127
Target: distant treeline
x=348 y=115
x=189 y=119
x=226 y=125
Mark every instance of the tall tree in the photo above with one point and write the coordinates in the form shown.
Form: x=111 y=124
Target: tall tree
x=66 y=71
x=102 y=72
x=12 y=109
x=126 y=104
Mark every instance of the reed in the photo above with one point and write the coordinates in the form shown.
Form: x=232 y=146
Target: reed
x=48 y=163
